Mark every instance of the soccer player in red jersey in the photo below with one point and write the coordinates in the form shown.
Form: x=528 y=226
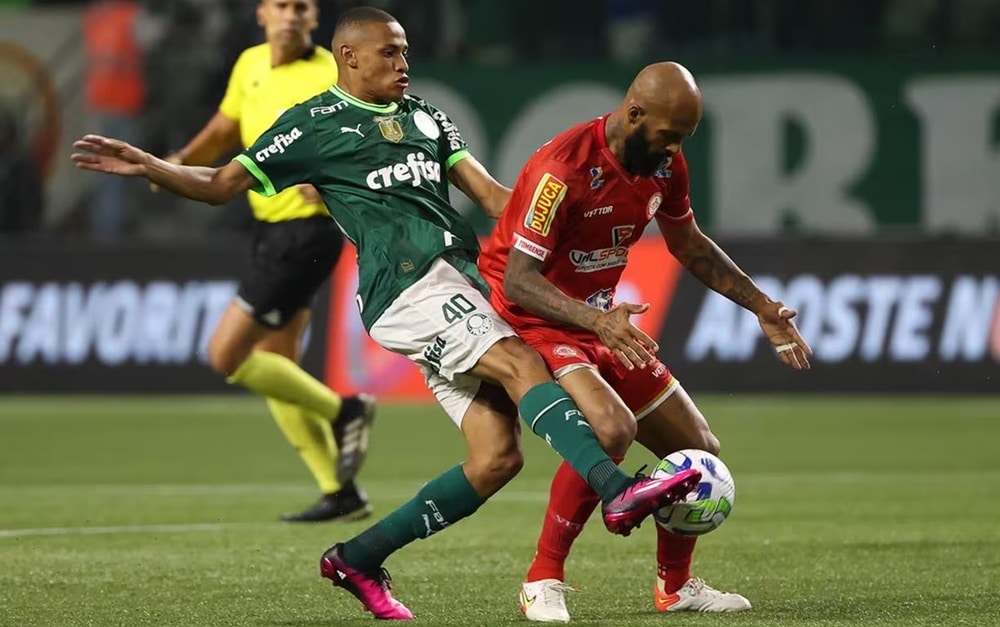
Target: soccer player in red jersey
x=553 y=263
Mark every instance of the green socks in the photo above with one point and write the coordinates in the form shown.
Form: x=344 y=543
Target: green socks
x=442 y=502
x=450 y=497
x=554 y=417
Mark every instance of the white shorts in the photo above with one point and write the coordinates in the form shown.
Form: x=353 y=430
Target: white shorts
x=444 y=324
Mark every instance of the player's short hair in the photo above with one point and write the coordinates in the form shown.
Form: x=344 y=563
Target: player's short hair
x=359 y=16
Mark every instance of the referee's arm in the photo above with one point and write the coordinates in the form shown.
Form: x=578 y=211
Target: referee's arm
x=220 y=137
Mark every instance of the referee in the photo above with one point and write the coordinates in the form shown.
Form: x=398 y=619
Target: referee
x=296 y=244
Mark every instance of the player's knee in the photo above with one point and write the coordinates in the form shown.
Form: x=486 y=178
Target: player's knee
x=520 y=364
x=707 y=441
x=712 y=444
x=615 y=428
x=222 y=358
x=506 y=465
x=494 y=470
x=281 y=344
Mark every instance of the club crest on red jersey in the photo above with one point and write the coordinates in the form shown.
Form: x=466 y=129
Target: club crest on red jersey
x=654 y=203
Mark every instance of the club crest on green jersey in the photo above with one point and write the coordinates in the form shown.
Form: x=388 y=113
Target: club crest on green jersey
x=390 y=128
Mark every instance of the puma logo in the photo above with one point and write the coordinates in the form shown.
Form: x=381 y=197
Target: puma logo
x=356 y=129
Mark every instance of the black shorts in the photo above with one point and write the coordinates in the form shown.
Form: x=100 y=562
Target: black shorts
x=289 y=261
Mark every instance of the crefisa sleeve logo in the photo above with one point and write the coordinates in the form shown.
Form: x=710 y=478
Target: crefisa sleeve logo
x=278 y=144
x=549 y=193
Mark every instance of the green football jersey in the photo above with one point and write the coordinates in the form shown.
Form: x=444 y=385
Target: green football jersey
x=383 y=173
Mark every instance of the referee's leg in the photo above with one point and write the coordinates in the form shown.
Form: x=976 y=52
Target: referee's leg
x=264 y=360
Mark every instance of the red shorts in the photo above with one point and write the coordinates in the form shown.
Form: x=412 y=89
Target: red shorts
x=642 y=389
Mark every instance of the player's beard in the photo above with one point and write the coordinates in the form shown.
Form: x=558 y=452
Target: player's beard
x=638 y=159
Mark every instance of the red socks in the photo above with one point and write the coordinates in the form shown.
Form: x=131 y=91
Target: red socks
x=571 y=502
x=673 y=558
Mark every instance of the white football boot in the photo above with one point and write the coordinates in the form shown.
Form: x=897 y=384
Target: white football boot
x=544 y=601
x=697 y=596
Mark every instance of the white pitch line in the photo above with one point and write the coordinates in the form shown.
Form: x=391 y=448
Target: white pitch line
x=382 y=489
x=158 y=489
x=394 y=489
x=512 y=496
x=87 y=531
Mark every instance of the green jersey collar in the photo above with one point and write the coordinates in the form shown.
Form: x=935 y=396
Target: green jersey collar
x=361 y=104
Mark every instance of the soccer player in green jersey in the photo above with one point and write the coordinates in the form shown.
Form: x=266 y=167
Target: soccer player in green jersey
x=382 y=160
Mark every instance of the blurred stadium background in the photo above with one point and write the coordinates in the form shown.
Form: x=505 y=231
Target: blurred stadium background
x=849 y=159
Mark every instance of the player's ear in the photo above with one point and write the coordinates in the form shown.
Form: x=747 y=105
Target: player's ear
x=347 y=53
x=260 y=14
x=635 y=114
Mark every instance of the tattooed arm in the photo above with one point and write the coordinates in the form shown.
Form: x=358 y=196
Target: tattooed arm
x=710 y=264
x=524 y=285
x=705 y=260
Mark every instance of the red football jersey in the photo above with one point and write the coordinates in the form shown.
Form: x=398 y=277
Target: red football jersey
x=578 y=211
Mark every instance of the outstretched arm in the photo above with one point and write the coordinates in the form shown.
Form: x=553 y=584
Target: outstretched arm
x=478 y=184
x=211 y=185
x=219 y=137
x=712 y=266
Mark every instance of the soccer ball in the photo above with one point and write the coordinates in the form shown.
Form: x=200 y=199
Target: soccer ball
x=709 y=505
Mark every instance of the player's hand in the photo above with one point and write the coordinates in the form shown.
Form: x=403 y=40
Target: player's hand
x=175 y=159
x=628 y=342
x=113 y=156
x=310 y=194
x=776 y=323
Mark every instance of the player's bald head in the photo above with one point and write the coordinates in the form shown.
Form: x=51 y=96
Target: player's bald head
x=666 y=89
x=661 y=109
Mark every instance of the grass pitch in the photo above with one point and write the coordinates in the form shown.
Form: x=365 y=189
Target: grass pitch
x=162 y=511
